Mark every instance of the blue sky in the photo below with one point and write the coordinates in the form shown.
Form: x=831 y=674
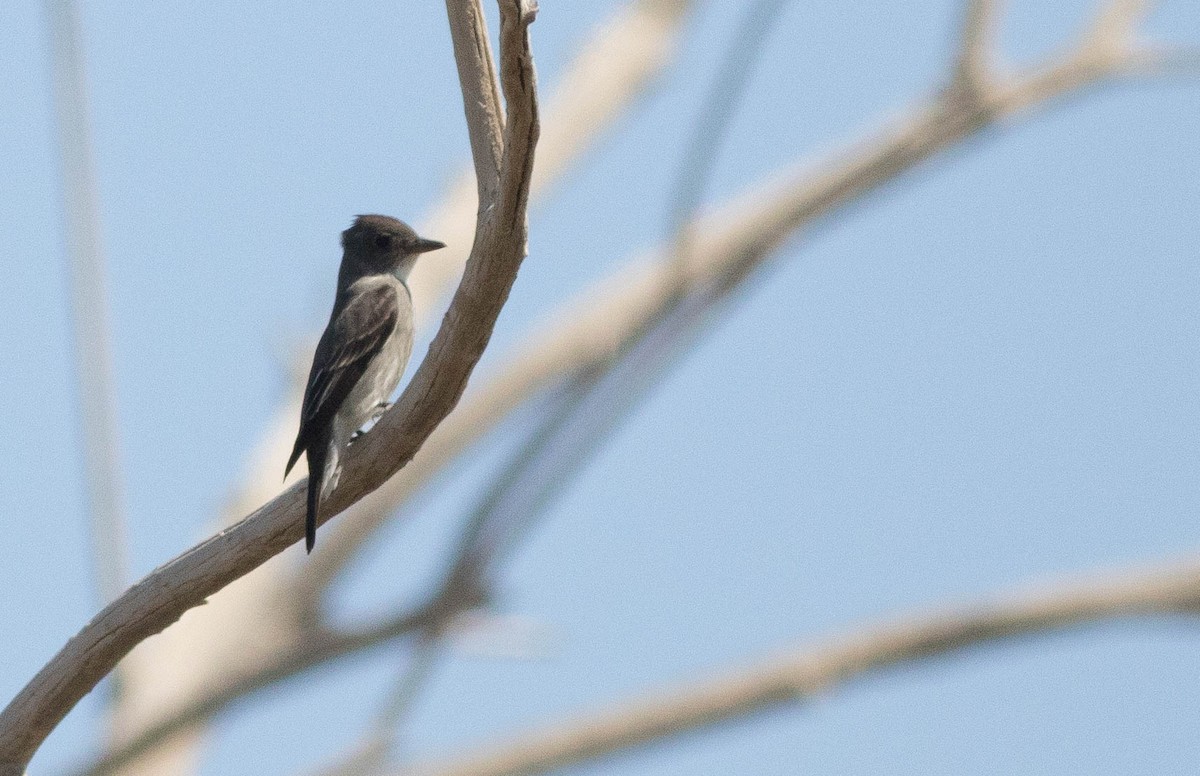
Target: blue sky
x=983 y=375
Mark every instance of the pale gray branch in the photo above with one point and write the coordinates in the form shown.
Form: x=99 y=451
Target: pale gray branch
x=480 y=91
x=162 y=597
x=799 y=675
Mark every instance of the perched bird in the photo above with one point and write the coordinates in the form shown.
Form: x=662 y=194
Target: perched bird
x=362 y=353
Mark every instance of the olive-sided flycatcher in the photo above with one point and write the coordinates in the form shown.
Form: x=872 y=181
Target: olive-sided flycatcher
x=362 y=353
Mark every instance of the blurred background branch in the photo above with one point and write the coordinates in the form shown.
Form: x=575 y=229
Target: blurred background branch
x=589 y=338
x=576 y=378
x=89 y=303
x=800 y=675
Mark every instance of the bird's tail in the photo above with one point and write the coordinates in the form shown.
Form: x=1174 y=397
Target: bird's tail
x=317 y=476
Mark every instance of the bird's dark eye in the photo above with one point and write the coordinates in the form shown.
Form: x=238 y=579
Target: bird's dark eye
x=383 y=241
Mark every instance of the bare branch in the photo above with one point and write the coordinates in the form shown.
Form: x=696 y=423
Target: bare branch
x=480 y=91
x=89 y=305
x=610 y=70
x=162 y=597
x=1113 y=28
x=313 y=649
x=973 y=69
x=740 y=56
x=372 y=754
x=801 y=674
x=593 y=403
x=1163 y=61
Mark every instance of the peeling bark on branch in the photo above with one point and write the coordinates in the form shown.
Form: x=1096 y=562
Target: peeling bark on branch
x=481 y=92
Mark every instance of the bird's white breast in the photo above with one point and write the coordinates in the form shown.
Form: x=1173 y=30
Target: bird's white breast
x=384 y=372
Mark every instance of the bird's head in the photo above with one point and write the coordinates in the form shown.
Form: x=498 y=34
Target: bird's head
x=380 y=244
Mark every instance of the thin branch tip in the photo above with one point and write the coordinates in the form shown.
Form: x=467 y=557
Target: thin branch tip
x=1164 y=61
x=973 y=73
x=1113 y=28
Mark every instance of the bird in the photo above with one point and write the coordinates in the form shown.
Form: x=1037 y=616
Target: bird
x=362 y=353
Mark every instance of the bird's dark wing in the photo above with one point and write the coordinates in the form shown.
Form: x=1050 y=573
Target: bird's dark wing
x=353 y=337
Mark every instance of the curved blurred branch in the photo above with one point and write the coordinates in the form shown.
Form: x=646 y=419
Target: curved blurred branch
x=797 y=676
x=597 y=398
x=89 y=305
x=162 y=597
x=1161 y=61
x=723 y=96
x=315 y=648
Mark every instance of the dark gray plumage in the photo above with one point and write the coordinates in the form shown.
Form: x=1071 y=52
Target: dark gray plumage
x=362 y=353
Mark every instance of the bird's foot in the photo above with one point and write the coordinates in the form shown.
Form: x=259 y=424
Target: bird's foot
x=380 y=408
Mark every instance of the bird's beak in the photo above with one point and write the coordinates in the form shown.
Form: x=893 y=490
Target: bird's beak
x=424 y=246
